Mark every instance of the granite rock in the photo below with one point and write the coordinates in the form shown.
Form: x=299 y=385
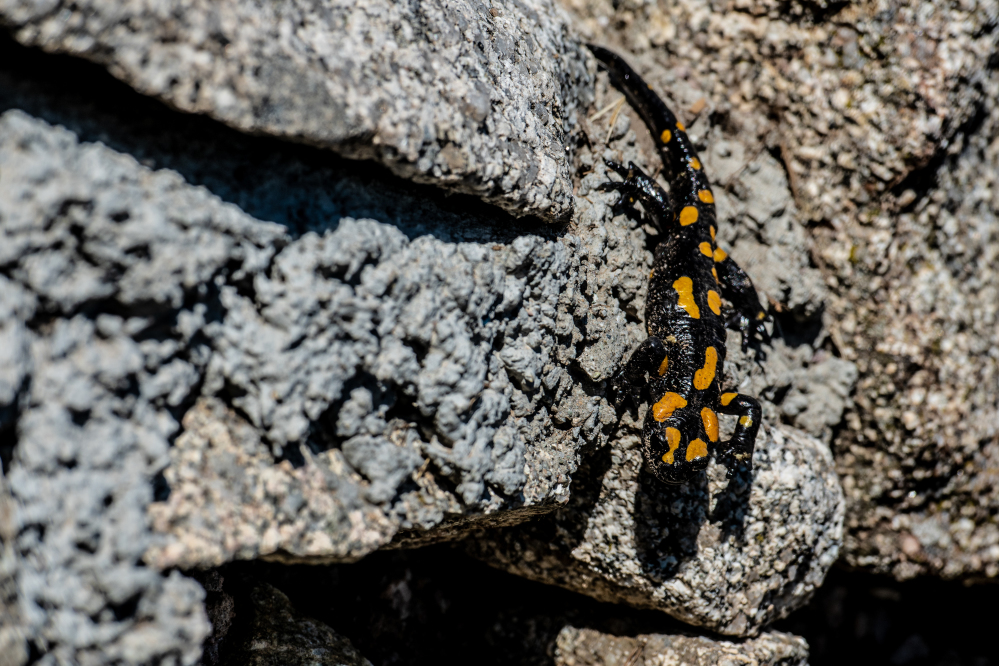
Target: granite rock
x=218 y=346
x=729 y=556
x=588 y=647
x=135 y=293
x=13 y=647
x=919 y=457
x=476 y=98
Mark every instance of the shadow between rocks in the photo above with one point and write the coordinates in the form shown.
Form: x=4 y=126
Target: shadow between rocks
x=300 y=187
x=437 y=605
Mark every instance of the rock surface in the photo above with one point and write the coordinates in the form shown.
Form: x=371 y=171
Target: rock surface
x=462 y=95
x=13 y=648
x=434 y=369
x=883 y=117
x=920 y=455
x=586 y=647
x=730 y=556
x=278 y=636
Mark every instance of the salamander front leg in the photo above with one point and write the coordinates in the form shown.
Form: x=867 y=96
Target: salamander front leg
x=631 y=381
x=638 y=186
x=738 y=451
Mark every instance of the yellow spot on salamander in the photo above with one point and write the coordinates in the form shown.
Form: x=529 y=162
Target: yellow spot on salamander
x=720 y=255
x=688 y=216
x=712 y=229
x=696 y=449
x=706 y=375
x=714 y=301
x=705 y=248
x=670 y=402
x=673 y=439
x=665 y=136
x=706 y=196
x=685 y=293
x=714 y=272
x=663 y=366
x=680 y=126
x=762 y=315
x=651 y=273
x=695 y=163
x=710 y=420
x=727 y=398
x=746 y=422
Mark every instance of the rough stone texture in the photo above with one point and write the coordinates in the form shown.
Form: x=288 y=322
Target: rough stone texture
x=883 y=115
x=133 y=292
x=13 y=649
x=279 y=636
x=731 y=556
x=461 y=95
x=920 y=456
x=440 y=353
x=587 y=647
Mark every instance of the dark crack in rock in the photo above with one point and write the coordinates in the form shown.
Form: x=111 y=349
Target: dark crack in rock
x=456 y=95
x=279 y=636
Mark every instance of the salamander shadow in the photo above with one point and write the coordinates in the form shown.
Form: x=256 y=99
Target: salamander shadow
x=670 y=518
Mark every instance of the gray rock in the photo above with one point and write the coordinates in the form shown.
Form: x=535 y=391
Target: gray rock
x=588 y=647
x=13 y=648
x=153 y=292
x=279 y=636
x=464 y=95
x=920 y=454
x=730 y=556
x=310 y=390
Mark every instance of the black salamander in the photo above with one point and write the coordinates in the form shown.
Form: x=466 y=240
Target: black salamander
x=678 y=368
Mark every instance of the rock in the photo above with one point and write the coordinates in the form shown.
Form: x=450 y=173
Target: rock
x=473 y=98
x=135 y=294
x=920 y=454
x=278 y=636
x=587 y=647
x=728 y=556
x=165 y=332
x=13 y=648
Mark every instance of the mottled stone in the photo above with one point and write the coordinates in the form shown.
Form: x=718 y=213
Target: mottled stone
x=588 y=647
x=461 y=95
x=13 y=648
x=730 y=556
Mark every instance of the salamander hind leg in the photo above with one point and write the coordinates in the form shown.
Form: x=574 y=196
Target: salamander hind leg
x=738 y=451
x=749 y=318
x=675 y=448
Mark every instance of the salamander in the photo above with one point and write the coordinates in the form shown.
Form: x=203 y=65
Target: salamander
x=678 y=368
